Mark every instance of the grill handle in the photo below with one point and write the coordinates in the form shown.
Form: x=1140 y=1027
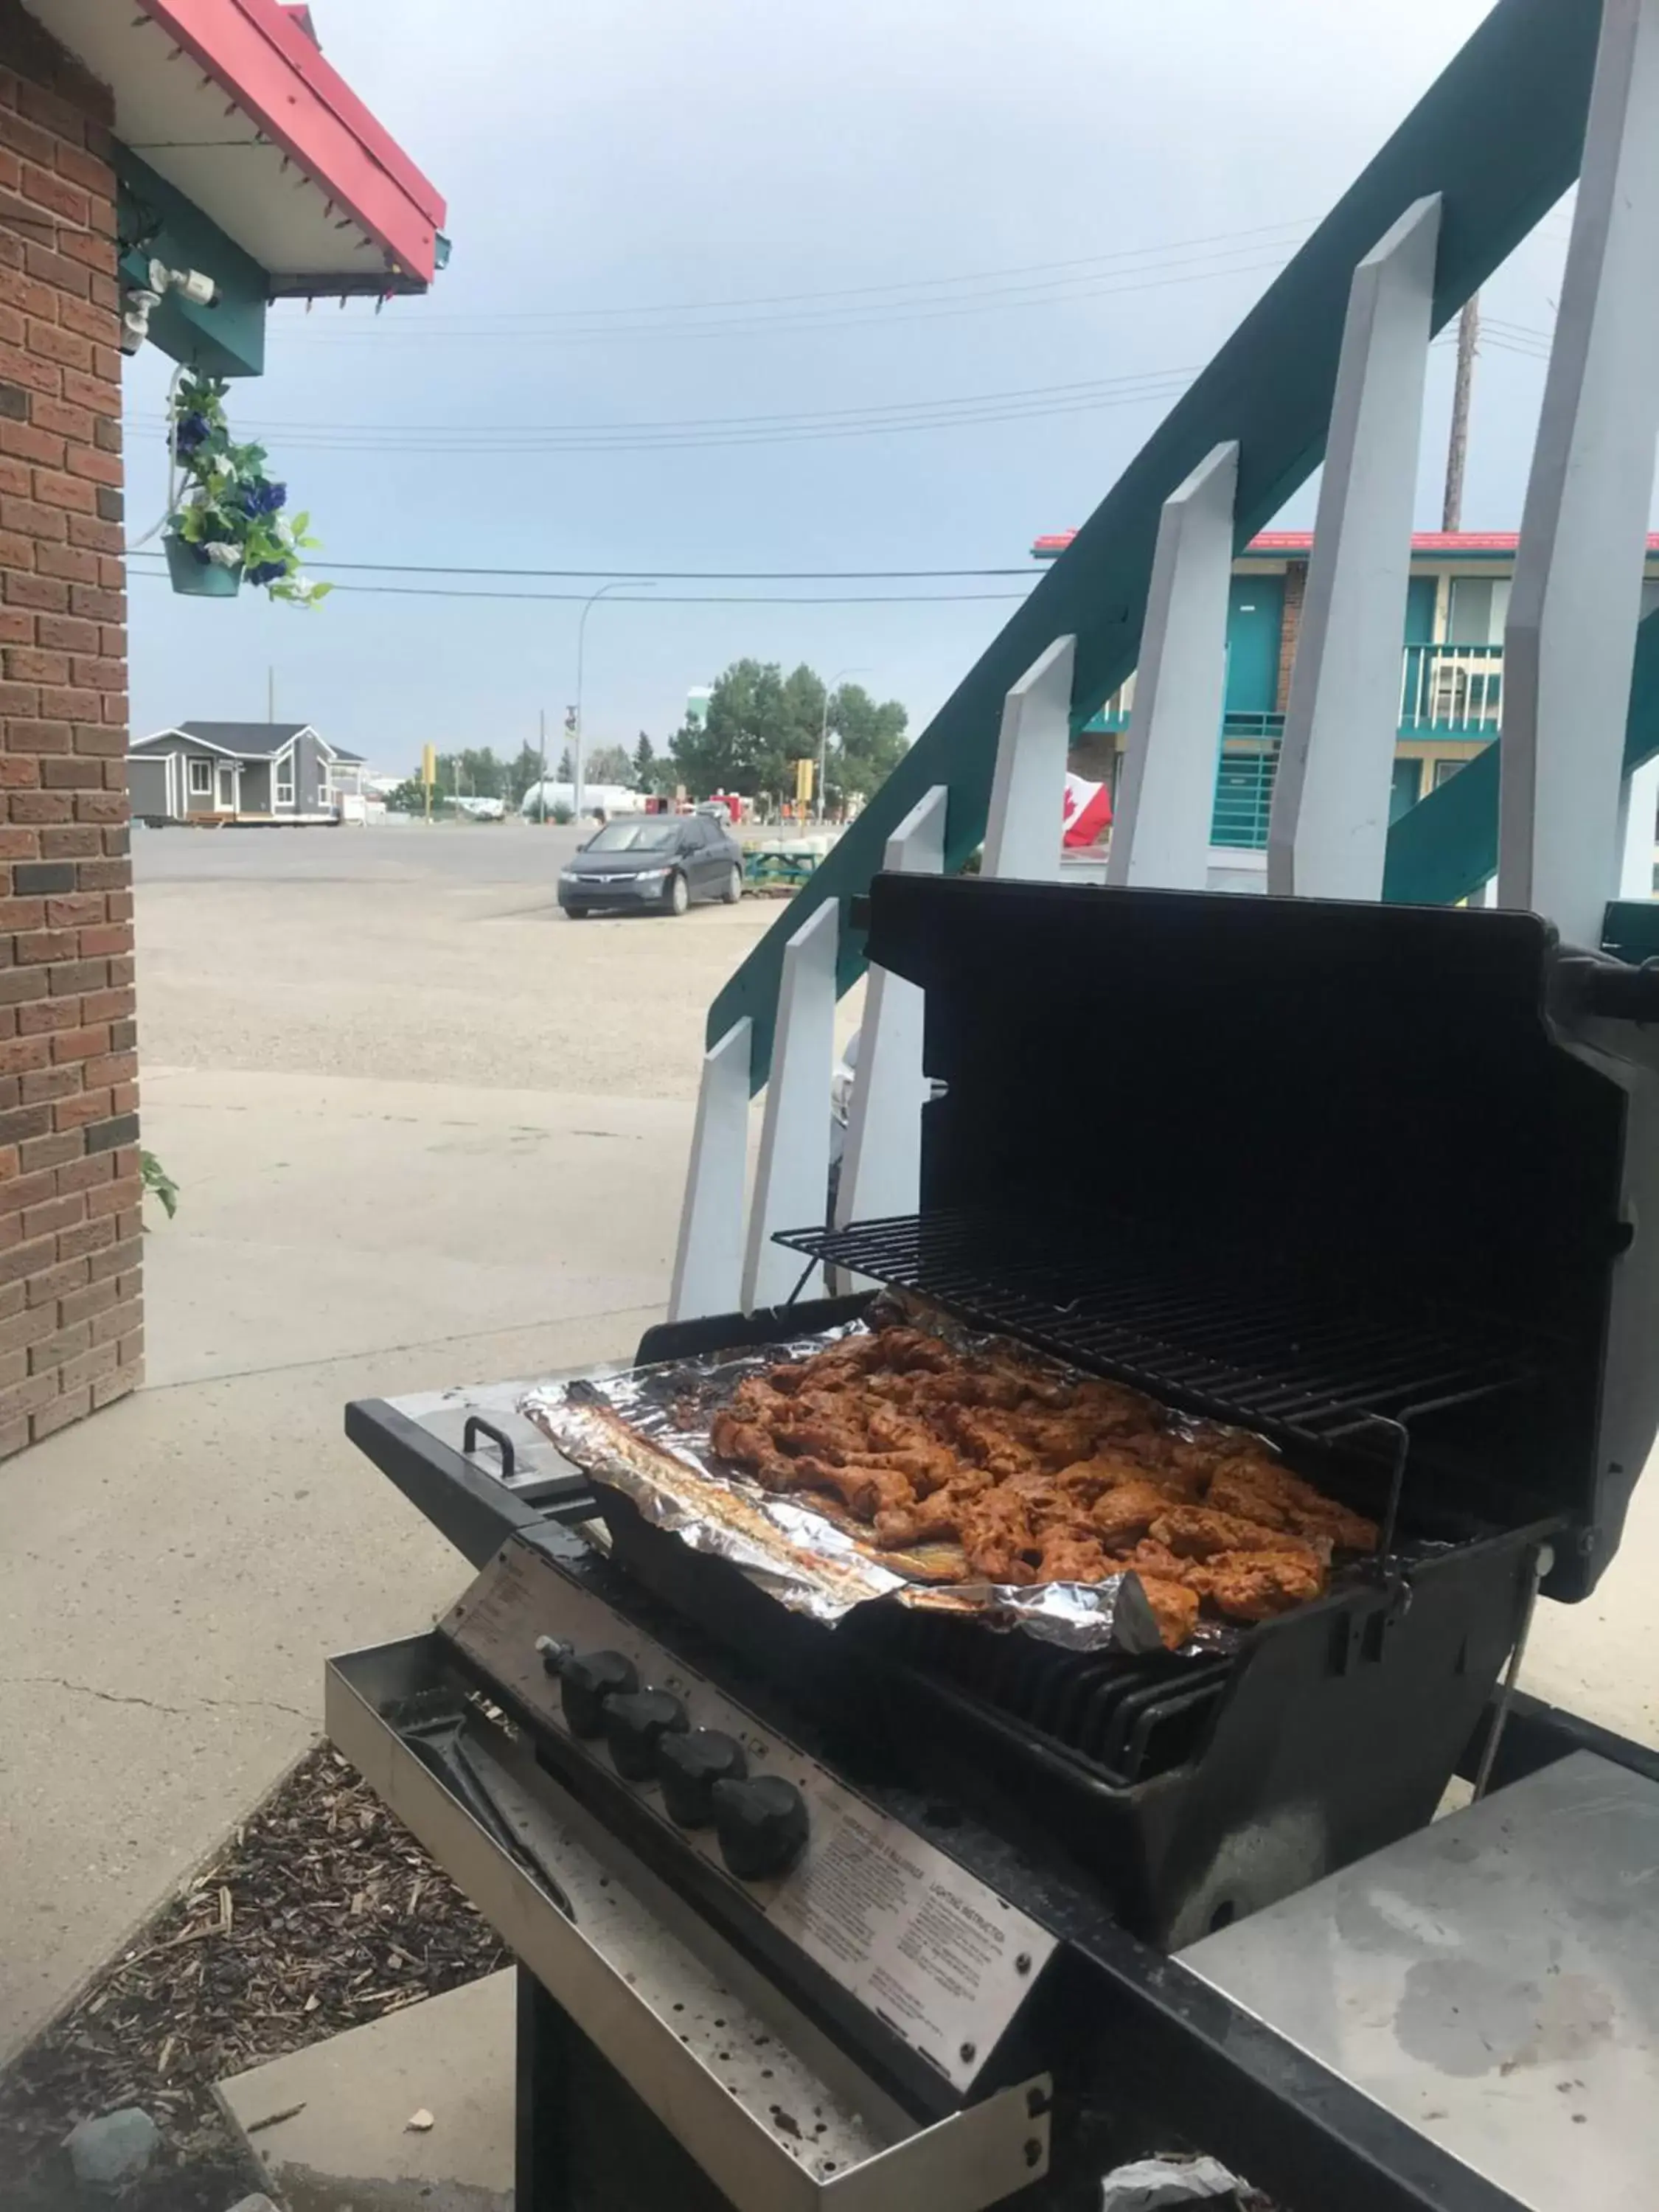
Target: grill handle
x=1615 y=991
x=476 y=1426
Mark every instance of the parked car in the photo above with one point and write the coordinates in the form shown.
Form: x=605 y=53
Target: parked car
x=660 y=861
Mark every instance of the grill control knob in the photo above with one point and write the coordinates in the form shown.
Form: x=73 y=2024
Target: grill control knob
x=762 y=1826
x=586 y=1679
x=634 y=1724
x=688 y=1767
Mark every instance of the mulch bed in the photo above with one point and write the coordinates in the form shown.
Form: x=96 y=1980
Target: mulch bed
x=322 y=1912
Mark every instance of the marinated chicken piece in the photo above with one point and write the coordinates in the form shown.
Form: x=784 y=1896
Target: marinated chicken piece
x=985 y=1436
x=998 y=1539
x=902 y=1440
x=865 y=1490
x=1126 y=1513
x=1174 y=1608
x=1152 y=1558
x=1072 y=1555
x=1257 y=1585
x=1109 y=1467
x=1198 y=1532
x=1261 y=1490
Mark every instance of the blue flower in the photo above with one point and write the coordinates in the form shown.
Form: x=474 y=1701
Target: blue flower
x=268 y=571
x=189 y=434
x=275 y=496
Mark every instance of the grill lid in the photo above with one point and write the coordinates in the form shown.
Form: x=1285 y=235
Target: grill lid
x=1297 y=1161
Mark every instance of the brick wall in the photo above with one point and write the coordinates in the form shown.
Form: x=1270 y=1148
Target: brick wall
x=70 y=1338
x=1295 y=583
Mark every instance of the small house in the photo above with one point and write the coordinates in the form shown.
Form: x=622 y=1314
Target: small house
x=242 y=772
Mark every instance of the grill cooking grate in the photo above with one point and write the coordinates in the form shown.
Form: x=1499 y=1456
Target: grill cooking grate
x=1191 y=1327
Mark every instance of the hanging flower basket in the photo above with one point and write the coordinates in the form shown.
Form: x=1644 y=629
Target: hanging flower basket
x=196 y=576
x=229 y=524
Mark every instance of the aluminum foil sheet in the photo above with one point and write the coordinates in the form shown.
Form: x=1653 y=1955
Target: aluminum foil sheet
x=645 y=1432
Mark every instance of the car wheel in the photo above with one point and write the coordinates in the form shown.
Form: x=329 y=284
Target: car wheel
x=675 y=897
x=734 y=890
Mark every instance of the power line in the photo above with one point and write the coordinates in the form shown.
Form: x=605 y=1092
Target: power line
x=923 y=313
x=1168 y=247
x=646 y=438
x=658 y=599
x=667 y=575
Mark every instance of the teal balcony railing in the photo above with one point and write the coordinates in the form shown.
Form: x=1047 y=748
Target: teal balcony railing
x=1244 y=781
x=1454 y=689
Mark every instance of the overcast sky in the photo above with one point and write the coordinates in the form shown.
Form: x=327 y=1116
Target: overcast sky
x=615 y=175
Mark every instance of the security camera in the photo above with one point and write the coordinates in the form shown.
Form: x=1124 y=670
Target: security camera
x=190 y=284
x=137 y=309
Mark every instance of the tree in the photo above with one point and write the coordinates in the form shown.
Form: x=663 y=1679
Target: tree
x=869 y=742
x=523 y=774
x=566 y=768
x=758 y=724
x=474 y=772
x=644 y=755
x=609 y=764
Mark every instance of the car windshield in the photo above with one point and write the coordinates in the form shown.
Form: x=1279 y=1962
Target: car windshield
x=651 y=834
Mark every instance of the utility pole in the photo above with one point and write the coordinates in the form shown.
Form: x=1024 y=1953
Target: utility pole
x=1457 y=452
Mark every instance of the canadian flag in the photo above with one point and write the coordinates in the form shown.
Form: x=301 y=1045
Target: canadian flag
x=1087 y=811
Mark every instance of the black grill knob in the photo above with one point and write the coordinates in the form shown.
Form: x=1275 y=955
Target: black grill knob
x=762 y=1826
x=634 y=1724
x=586 y=1679
x=688 y=1767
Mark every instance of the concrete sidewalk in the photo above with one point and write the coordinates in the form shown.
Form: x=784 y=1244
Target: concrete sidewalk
x=176 y=1571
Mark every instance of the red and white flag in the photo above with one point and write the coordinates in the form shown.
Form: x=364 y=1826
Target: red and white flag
x=1087 y=811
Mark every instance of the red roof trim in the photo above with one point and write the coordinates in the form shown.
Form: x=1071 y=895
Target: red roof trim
x=1301 y=541
x=263 y=58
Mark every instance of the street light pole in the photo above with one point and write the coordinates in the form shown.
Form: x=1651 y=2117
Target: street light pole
x=823 y=726
x=643 y=584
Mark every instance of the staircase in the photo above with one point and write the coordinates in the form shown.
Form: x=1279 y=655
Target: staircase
x=1329 y=366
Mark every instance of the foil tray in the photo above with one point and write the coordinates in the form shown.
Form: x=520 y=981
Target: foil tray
x=645 y=1432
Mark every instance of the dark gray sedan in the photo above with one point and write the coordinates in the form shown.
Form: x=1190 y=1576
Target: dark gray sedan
x=658 y=862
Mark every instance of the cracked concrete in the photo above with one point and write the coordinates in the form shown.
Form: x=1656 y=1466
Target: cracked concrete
x=150 y=1705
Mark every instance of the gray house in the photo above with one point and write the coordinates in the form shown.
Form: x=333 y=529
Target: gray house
x=268 y=772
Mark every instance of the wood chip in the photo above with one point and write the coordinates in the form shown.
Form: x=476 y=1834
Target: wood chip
x=418 y=2122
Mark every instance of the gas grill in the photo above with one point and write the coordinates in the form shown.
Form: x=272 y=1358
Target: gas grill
x=1365 y=1180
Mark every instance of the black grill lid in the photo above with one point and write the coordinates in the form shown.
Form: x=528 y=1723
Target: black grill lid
x=1284 y=1156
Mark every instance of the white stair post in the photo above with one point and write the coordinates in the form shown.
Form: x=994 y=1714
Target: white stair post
x=708 y=1258
x=1639 y=812
x=1027 y=816
x=881 y=1165
x=1570 y=640
x=1328 y=831
x=1166 y=799
x=793 y=1176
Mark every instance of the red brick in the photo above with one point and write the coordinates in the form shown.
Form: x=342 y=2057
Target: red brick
x=74 y=909
x=18 y=985
x=50 y=1015
x=40 y=1083
x=52 y=113
x=17 y=367
x=100 y=537
x=49 y=190
x=114 y=1198
x=11 y=1163
x=117 y=1261
x=33 y=521
x=67 y=634
x=100 y=671
x=51 y=1152
x=16 y=626
x=119 y=1070
x=21 y=914
x=98 y=605
x=86 y=1174
x=27 y=138
x=17 y=551
x=83 y=168
x=27 y=664
x=25 y=443
x=26 y=1190
x=91 y=319
x=91 y=392
x=38 y=805
x=108 y=1005
x=36 y=946
x=80 y=1107
x=74 y=705
x=27 y=1326
x=55 y=1214
x=101 y=875
x=100 y=806
x=104 y=1392
x=78 y=565
x=15 y=477
x=18 y=698
x=43 y=591
x=24 y=1054
x=65 y=1278
x=62 y=1413
x=27 y=1397
x=79 y=975
x=99 y=468
x=68 y=841
x=13 y=770
x=116 y=1322
x=53 y=489
x=81 y=1044
x=112 y=938
x=99 y=1359
x=62 y=418
x=24 y=735
x=80 y=1304
x=25 y=292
